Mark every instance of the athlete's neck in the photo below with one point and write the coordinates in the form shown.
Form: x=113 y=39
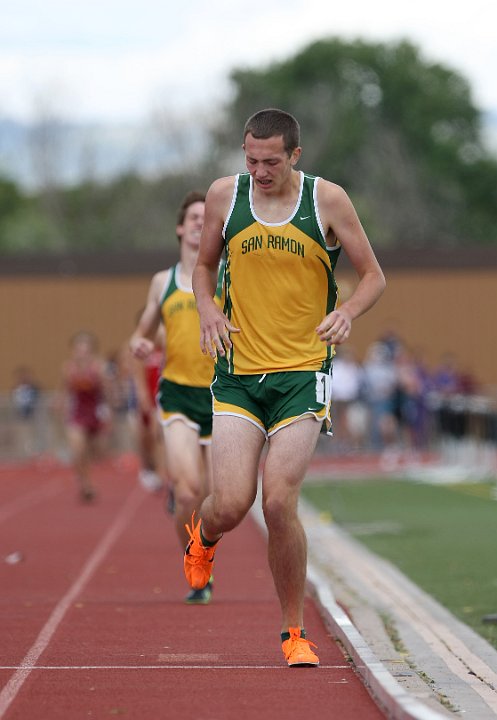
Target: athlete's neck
x=279 y=204
x=188 y=258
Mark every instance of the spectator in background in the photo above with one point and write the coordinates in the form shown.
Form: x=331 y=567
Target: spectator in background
x=467 y=383
x=445 y=380
x=25 y=399
x=409 y=398
x=380 y=382
x=349 y=411
x=424 y=425
x=446 y=401
x=391 y=341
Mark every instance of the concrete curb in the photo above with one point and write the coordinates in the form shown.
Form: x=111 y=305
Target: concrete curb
x=462 y=673
x=388 y=694
x=460 y=665
x=384 y=688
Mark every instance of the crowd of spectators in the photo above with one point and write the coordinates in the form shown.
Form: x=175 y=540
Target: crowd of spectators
x=388 y=400
x=392 y=399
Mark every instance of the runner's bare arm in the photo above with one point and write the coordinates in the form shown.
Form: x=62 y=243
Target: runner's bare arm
x=339 y=218
x=214 y=325
x=142 y=341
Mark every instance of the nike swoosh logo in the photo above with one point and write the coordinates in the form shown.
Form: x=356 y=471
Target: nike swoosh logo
x=305 y=218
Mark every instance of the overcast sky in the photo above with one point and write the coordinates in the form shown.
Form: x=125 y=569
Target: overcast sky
x=116 y=60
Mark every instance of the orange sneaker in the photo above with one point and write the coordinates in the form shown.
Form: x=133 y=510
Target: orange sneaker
x=198 y=560
x=297 y=650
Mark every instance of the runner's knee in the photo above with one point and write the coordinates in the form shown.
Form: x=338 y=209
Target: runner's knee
x=228 y=517
x=277 y=509
x=187 y=496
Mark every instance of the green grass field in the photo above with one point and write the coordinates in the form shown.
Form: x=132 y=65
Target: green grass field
x=444 y=538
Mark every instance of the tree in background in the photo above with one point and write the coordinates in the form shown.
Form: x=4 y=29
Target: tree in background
x=400 y=134
x=12 y=203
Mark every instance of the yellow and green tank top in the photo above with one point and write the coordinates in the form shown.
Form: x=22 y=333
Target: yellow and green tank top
x=279 y=284
x=185 y=363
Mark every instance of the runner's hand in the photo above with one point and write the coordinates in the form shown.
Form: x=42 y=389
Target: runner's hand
x=214 y=331
x=141 y=347
x=335 y=328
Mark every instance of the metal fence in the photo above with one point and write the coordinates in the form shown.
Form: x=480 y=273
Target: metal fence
x=43 y=431
x=465 y=431
x=461 y=430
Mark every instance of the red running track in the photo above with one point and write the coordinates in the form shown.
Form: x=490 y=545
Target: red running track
x=93 y=623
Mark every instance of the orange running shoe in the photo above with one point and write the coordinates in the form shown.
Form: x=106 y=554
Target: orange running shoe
x=297 y=651
x=198 y=560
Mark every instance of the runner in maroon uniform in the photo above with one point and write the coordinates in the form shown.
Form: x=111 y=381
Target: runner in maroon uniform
x=88 y=414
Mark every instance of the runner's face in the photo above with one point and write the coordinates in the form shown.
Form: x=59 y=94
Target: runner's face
x=82 y=348
x=191 y=229
x=268 y=162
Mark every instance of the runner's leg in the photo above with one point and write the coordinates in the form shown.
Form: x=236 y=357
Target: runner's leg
x=186 y=471
x=236 y=449
x=289 y=454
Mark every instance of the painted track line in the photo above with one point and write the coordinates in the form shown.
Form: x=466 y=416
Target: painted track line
x=128 y=509
x=167 y=667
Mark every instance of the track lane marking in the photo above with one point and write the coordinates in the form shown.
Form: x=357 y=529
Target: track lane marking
x=167 y=667
x=11 y=689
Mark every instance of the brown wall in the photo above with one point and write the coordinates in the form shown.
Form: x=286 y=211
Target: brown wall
x=437 y=312
x=39 y=316
x=434 y=311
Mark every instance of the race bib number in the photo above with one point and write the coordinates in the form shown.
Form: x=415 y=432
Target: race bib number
x=323 y=388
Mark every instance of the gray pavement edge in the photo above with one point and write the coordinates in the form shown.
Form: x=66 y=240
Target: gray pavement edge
x=416 y=659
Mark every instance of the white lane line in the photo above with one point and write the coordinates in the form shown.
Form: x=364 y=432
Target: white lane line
x=169 y=667
x=29 y=499
x=28 y=664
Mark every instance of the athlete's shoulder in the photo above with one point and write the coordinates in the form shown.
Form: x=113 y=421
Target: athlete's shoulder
x=163 y=274
x=222 y=185
x=159 y=280
x=331 y=196
x=334 y=204
x=221 y=188
x=161 y=277
x=330 y=188
x=218 y=199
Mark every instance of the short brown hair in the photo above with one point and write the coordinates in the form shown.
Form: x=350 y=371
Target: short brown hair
x=190 y=198
x=270 y=122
